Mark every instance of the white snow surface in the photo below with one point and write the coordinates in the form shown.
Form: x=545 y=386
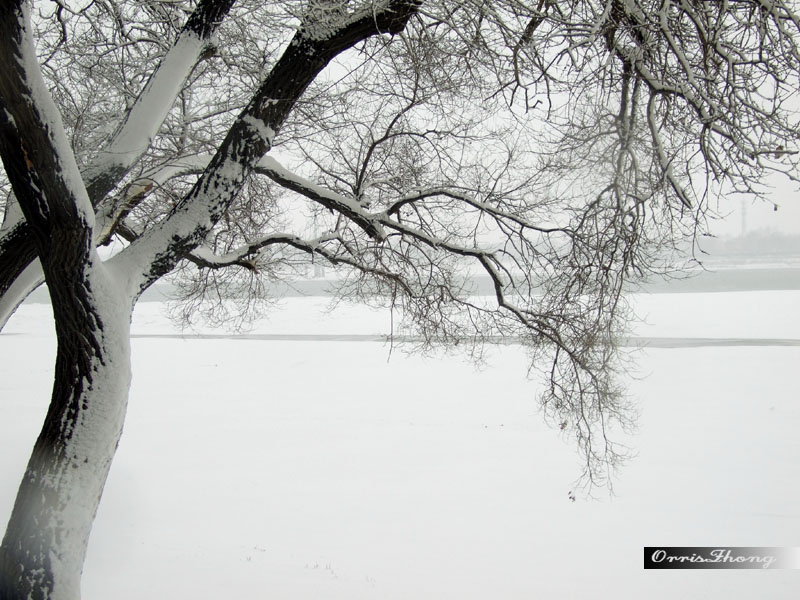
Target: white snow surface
x=296 y=469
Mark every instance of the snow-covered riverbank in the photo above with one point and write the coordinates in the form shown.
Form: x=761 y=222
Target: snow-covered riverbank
x=294 y=469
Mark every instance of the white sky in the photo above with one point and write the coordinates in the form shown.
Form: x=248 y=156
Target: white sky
x=744 y=214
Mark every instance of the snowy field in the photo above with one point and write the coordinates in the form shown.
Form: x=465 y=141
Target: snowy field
x=257 y=468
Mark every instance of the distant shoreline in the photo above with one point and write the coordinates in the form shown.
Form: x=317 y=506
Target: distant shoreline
x=726 y=278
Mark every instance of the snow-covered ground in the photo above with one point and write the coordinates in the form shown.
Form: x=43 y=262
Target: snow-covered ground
x=252 y=468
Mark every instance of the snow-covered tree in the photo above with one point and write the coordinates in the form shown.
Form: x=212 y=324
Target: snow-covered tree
x=558 y=148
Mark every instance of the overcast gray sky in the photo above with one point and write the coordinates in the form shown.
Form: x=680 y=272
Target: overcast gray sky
x=761 y=215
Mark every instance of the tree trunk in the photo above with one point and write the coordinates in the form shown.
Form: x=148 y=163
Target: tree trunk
x=44 y=547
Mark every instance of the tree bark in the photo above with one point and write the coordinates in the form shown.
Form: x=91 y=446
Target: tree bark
x=45 y=543
x=42 y=553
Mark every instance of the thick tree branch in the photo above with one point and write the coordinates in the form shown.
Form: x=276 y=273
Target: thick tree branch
x=251 y=136
x=141 y=123
x=33 y=144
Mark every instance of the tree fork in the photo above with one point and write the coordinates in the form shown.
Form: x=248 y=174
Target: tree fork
x=17 y=249
x=45 y=544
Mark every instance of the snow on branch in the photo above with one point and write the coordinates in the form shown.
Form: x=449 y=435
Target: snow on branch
x=34 y=146
x=268 y=166
x=345 y=206
x=130 y=141
x=329 y=20
x=159 y=249
x=142 y=121
x=247 y=256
